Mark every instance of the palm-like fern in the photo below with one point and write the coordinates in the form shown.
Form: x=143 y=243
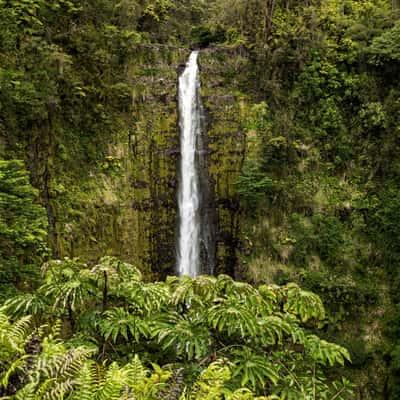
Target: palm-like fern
x=68 y=283
x=187 y=290
x=187 y=335
x=111 y=275
x=324 y=352
x=147 y=298
x=226 y=286
x=273 y=329
x=117 y=268
x=300 y=378
x=27 y=304
x=119 y=322
x=253 y=369
x=232 y=316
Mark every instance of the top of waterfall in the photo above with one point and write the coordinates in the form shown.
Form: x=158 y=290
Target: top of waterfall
x=193 y=56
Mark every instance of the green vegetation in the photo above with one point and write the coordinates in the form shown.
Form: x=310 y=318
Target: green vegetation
x=213 y=337
x=23 y=229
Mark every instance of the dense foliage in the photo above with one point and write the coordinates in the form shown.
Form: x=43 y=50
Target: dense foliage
x=213 y=337
x=23 y=229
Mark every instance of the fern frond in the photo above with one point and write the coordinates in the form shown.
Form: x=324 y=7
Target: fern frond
x=28 y=392
x=210 y=384
x=246 y=394
x=115 y=379
x=14 y=335
x=73 y=360
x=20 y=328
x=137 y=372
x=56 y=390
x=16 y=365
x=86 y=382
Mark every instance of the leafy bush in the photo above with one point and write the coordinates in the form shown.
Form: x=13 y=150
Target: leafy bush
x=23 y=227
x=235 y=341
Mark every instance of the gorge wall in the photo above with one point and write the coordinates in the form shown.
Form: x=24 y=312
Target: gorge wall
x=126 y=203
x=117 y=194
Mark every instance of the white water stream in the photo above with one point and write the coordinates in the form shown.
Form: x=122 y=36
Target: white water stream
x=188 y=257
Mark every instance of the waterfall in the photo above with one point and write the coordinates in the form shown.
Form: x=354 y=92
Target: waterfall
x=188 y=257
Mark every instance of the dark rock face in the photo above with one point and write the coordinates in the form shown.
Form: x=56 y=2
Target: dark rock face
x=126 y=206
x=208 y=214
x=222 y=151
x=124 y=202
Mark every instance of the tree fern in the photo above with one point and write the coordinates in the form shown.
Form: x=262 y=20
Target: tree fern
x=116 y=268
x=112 y=276
x=270 y=297
x=260 y=332
x=68 y=283
x=184 y=292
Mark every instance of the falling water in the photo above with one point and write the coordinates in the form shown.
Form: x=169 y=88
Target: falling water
x=188 y=198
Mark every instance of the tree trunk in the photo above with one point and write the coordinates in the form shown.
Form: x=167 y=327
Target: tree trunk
x=71 y=318
x=105 y=291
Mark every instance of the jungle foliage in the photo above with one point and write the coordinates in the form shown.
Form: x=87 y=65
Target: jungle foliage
x=23 y=229
x=104 y=333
